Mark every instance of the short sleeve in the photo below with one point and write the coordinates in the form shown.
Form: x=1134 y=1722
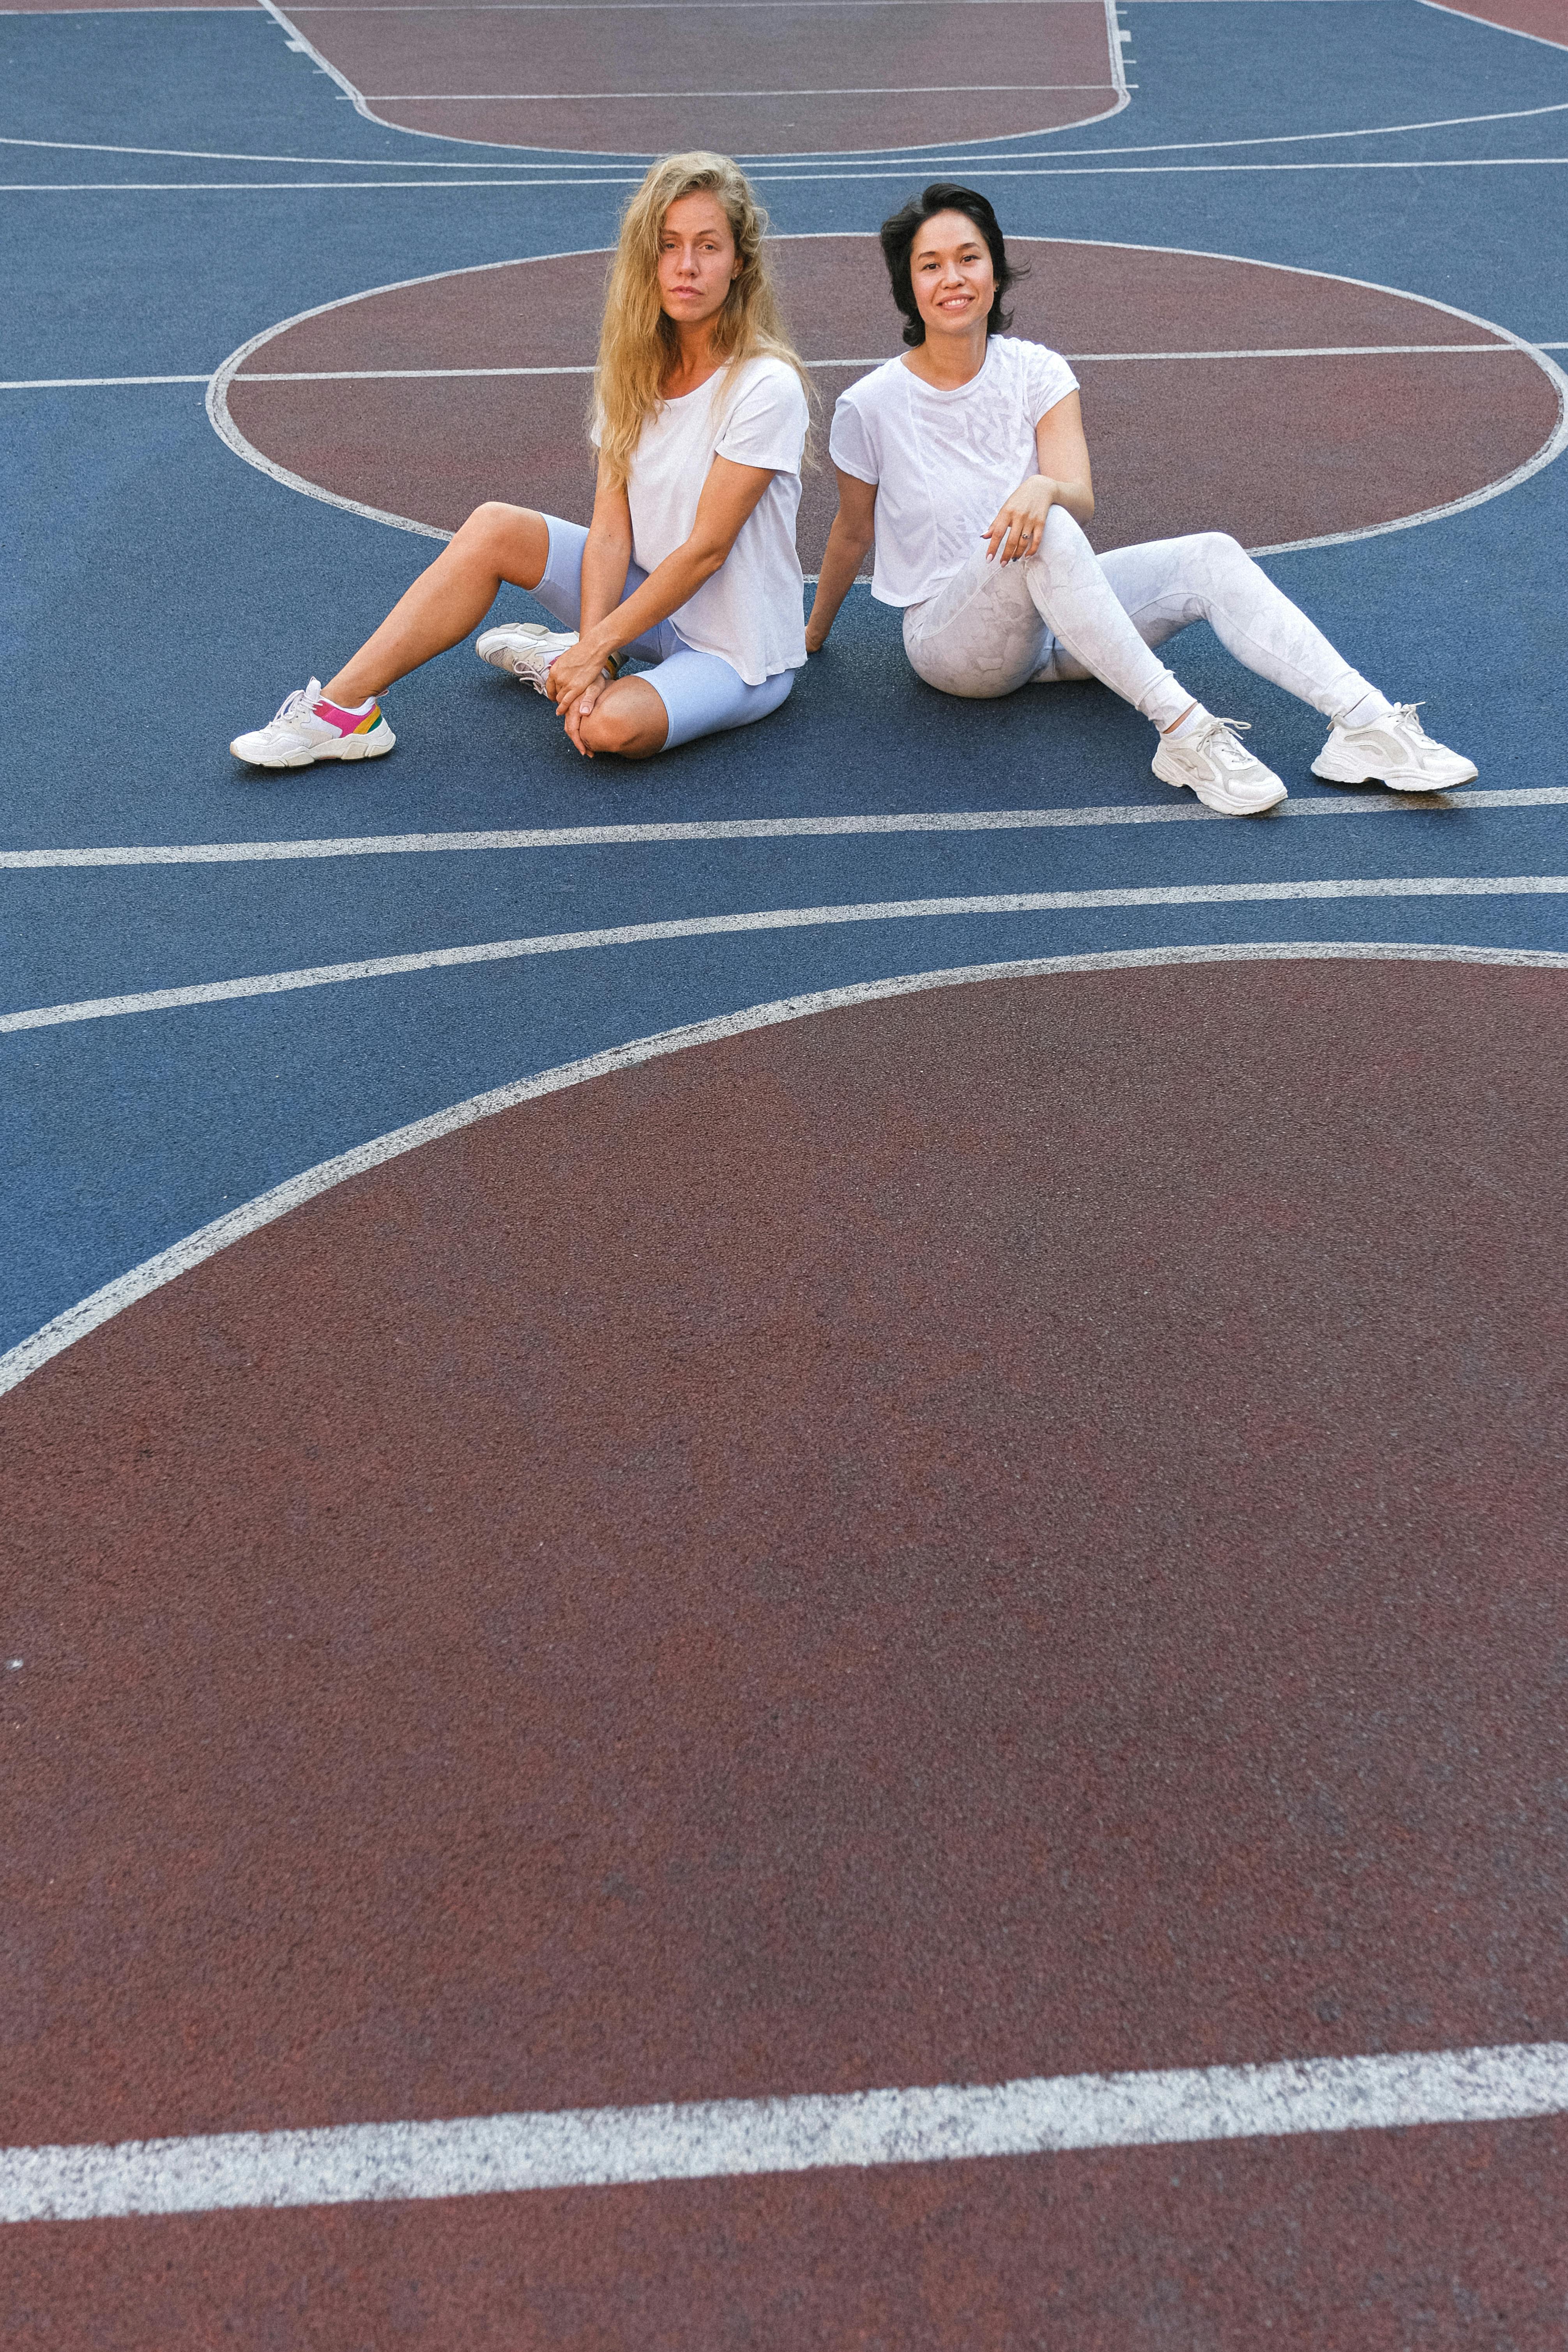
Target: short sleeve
x=765 y=423
x=1047 y=379
x=850 y=443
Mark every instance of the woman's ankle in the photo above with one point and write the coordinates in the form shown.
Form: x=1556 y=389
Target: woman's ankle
x=345 y=692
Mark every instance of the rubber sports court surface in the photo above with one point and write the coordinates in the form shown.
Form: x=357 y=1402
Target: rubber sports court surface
x=784 y=1530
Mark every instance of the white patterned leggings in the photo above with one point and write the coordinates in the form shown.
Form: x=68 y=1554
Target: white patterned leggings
x=1066 y=612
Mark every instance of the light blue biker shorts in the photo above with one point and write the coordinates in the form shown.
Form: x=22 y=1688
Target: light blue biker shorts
x=702 y=692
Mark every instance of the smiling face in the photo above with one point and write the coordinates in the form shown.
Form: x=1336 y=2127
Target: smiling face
x=950 y=268
x=698 y=263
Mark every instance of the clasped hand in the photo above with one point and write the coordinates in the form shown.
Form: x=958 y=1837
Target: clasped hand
x=1020 y=523
x=577 y=677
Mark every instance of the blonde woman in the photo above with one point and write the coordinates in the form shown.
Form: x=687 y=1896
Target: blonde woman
x=690 y=563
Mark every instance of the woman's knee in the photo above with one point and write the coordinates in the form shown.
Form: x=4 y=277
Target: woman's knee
x=632 y=729
x=1063 y=547
x=1061 y=533
x=1219 y=553
x=513 y=538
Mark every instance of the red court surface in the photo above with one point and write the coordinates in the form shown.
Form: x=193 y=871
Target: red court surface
x=1182 y=443
x=1040 y=1551
x=1546 y=20
x=749 y=79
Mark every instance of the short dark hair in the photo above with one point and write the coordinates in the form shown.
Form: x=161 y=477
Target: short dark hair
x=898 y=234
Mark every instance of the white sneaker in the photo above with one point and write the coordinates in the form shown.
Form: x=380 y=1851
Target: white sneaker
x=1396 y=751
x=526 y=648
x=308 y=728
x=1223 y=772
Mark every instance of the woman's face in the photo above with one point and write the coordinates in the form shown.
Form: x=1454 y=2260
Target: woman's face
x=698 y=263
x=950 y=268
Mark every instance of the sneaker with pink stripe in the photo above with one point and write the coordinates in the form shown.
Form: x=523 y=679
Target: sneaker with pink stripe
x=308 y=728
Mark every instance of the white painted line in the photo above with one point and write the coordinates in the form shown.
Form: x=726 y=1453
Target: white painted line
x=222 y=423
x=1299 y=351
x=922 y=158
x=1476 y=797
x=784 y=919
x=632 y=8
x=101 y=1306
x=712 y=2140
x=363 y=105
x=982 y=168
x=388 y=375
x=422 y=376
x=870 y=89
x=88 y=382
x=1079 y=359
x=785 y=175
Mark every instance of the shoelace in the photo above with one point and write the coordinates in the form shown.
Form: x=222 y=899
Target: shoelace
x=1203 y=740
x=1404 y=715
x=293 y=707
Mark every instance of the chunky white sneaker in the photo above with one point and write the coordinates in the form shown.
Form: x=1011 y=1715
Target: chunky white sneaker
x=308 y=728
x=1223 y=772
x=526 y=648
x=1396 y=751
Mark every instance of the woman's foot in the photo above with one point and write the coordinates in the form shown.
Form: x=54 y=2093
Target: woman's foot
x=525 y=648
x=1207 y=758
x=308 y=728
x=1395 y=750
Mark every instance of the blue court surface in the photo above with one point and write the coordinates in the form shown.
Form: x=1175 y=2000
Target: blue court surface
x=218 y=980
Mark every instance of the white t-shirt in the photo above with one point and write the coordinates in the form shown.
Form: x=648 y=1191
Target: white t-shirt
x=751 y=612
x=944 y=462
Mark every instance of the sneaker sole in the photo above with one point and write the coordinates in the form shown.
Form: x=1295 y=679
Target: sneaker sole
x=1332 y=773
x=1253 y=808
x=354 y=747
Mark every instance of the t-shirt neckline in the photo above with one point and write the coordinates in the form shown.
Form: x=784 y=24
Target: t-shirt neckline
x=959 y=392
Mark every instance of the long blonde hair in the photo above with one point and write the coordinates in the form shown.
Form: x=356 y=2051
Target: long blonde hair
x=637 y=343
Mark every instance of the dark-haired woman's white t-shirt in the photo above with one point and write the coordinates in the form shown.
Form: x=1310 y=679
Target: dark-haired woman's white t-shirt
x=943 y=462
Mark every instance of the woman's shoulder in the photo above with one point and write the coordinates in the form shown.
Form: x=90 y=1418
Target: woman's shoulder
x=1033 y=373
x=1018 y=351
x=768 y=372
x=868 y=391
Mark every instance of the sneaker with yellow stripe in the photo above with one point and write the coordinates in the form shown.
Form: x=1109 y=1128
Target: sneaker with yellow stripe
x=309 y=728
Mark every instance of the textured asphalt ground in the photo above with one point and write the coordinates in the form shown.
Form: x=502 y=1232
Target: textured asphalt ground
x=1008 y=1532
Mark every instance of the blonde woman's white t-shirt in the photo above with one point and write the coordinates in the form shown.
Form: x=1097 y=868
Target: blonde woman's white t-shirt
x=750 y=613
x=943 y=462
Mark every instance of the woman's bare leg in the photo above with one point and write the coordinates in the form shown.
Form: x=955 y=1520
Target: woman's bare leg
x=449 y=598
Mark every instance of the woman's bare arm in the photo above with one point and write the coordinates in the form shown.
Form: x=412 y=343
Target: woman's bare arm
x=854 y=529
x=729 y=496
x=606 y=554
x=1063 y=480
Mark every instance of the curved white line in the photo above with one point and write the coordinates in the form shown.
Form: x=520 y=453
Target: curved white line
x=976 y=151
x=101 y=1306
x=222 y=423
x=778 y=918
x=455 y=138
x=223 y=375
x=790 y=178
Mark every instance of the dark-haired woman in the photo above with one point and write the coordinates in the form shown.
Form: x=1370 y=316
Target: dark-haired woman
x=965 y=462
